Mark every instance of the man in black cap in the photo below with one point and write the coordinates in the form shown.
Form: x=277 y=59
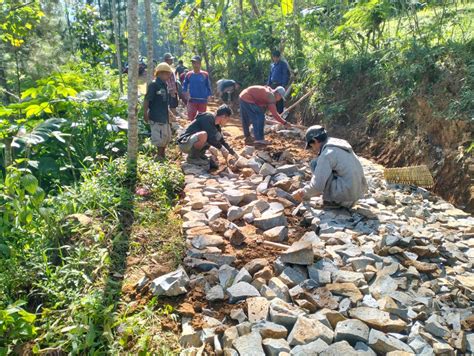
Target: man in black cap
x=337 y=172
x=172 y=85
x=203 y=132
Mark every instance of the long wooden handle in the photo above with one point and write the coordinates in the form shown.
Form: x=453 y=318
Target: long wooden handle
x=300 y=100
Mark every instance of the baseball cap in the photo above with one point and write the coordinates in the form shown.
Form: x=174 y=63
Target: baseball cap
x=168 y=56
x=281 y=91
x=196 y=59
x=314 y=132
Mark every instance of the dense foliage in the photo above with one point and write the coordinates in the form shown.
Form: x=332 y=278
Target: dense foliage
x=67 y=196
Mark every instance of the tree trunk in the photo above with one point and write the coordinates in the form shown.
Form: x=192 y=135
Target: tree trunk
x=68 y=21
x=4 y=84
x=242 y=19
x=132 y=92
x=8 y=152
x=203 y=47
x=298 y=38
x=149 y=42
x=255 y=9
x=117 y=43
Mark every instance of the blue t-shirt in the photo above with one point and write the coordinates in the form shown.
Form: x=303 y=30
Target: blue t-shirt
x=279 y=73
x=198 y=85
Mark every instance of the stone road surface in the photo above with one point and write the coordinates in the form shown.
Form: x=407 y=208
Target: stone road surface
x=393 y=275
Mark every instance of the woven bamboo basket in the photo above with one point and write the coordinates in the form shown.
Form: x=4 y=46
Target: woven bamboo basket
x=414 y=175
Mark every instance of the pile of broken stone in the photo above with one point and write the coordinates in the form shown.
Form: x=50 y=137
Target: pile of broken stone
x=393 y=275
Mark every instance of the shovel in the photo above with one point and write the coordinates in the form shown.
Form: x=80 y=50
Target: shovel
x=285 y=113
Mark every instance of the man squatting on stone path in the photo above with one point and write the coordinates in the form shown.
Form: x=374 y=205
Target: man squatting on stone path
x=205 y=131
x=337 y=172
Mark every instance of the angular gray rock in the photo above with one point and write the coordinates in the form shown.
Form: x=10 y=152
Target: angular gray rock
x=267 y=170
x=291 y=276
x=283 y=313
x=364 y=349
x=378 y=319
x=250 y=344
x=338 y=349
x=311 y=349
x=227 y=275
x=306 y=330
x=280 y=288
x=320 y=276
x=170 y=284
x=270 y=330
x=203 y=241
x=215 y=293
x=234 y=196
x=268 y=221
x=383 y=343
x=257 y=309
x=241 y=291
x=276 y=234
x=352 y=330
x=235 y=213
x=274 y=347
x=243 y=276
x=300 y=253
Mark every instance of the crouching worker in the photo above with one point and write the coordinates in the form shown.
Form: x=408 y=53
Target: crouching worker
x=205 y=131
x=338 y=175
x=155 y=109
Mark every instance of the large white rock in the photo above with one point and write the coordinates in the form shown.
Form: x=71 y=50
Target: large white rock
x=170 y=284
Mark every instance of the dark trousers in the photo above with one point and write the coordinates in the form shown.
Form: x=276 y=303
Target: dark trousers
x=251 y=114
x=280 y=104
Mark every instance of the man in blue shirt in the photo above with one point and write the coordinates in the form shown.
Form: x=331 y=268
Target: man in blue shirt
x=279 y=76
x=197 y=88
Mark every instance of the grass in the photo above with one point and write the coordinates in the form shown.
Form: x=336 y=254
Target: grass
x=82 y=299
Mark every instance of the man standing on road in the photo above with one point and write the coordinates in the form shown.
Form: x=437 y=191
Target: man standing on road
x=197 y=87
x=203 y=132
x=337 y=172
x=172 y=85
x=156 y=111
x=279 y=76
x=254 y=102
x=180 y=68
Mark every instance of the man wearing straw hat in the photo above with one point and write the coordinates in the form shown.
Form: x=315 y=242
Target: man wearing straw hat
x=337 y=172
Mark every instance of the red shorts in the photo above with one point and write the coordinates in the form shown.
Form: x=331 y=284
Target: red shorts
x=194 y=108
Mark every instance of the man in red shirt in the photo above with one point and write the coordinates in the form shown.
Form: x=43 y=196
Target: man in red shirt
x=254 y=102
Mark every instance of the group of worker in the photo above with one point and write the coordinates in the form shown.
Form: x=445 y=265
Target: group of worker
x=337 y=171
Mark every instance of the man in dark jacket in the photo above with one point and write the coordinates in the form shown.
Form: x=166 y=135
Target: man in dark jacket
x=203 y=132
x=279 y=76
